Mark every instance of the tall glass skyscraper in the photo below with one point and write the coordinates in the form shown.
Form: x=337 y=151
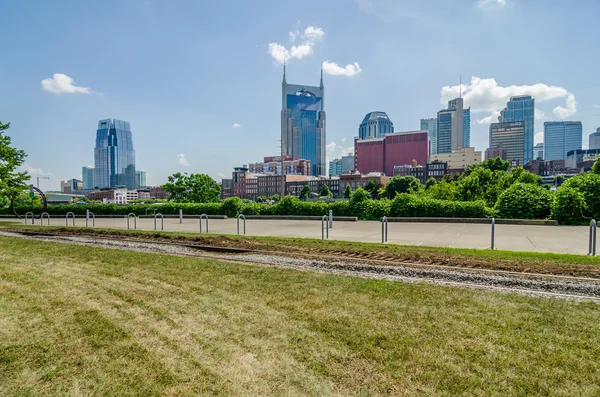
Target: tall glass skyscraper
x=303 y=124
x=375 y=125
x=595 y=140
x=140 y=178
x=430 y=125
x=451 y=127
x=561 y=137
x=467 y=128
x=87 y=174
x=522 y=108
x=114 y=156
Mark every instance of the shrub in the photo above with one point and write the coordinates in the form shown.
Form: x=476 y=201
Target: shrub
x=377 y=209
x=358 y=203
x=402 y=184
x=409 y=205
x=232 y=207
x=589 y=186
x=524 y=201
x=569 y=206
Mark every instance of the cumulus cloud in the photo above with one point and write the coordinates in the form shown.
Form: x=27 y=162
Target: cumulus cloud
x=31 y=170
x=236 y=125
x=486 y=96
x=309 y=38
x=62 y=84
x=331 y=146
x=538 y=137
x=539 y=115
x=182 y=160
x=483 y=3
x=492 y=118
x=332 y=68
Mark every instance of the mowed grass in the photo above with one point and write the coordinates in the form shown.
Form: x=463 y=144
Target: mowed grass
x=76 y=320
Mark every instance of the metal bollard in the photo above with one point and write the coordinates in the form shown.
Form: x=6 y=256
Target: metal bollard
x=384 y=230
x=592 y=250
x=134 y=220
x=26 y=216
x=324 y=225
x=162 y=221
x=42 y=218
x=180 y=216
x=331 y=219
x=493 y=232
x=204 y=216
x=238 y=223
x=87 y=218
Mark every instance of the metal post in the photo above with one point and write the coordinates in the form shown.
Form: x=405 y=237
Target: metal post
x=205 y=216
x=87 y=217
x=93 y=219
x=331 y=219
x=162 y=221
x=493 y=232
x=180 y=216
x=238 y=222
x=384 y=230
x=26 y=215
x=67 y=218
x=134 y=220
x=592 y=250
x=324 y=225
x=42 y=218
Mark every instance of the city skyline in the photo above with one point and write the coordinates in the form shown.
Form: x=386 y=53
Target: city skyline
x=56 y=87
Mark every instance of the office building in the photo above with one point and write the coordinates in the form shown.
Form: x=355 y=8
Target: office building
x=581 y=158
x=342 y=165
x=561 y=137
x=451 y=127
x=140 y=178
x=522 y=108
x=226 y=188
x=87 y=174
x=356 y=180
x=538 y=151
x=457 y=160
x=382 y=154
x=71 y=186
x=269 y=185
x=272 y=165
x=375 y=125
x=467 y=127
x=492 y=153
x=435 y=170
x=294 y=187
x=595 y=140
x=303 y=132
x=511 y=138
x=430 y=125
x=114 y=157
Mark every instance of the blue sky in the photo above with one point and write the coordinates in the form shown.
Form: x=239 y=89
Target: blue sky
x=200 y=81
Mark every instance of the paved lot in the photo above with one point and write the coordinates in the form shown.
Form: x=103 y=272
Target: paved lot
x=560 y=239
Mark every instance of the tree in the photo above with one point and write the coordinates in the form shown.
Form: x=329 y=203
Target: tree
x=325 y=191
x=305 y=192
x=525 y=201
x=402 y=184
x=348 y=192
x=373 y=187
x=193 y=188
x=596 y=167
x=430 y=183
x=12 y=183
x=275 y=197
x=559 y=179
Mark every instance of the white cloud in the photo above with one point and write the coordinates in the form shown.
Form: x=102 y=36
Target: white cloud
x=492 y=118
x=539 y=115
x=343 y=140
x=236 y=125
x=62 y=84
x=486 y=96
x=33 y=172
x=334 y=69
x=182 y=160
x=483 y=3
x=569 y=110
x=538 y=137
x=331 y=146
x=309 y=37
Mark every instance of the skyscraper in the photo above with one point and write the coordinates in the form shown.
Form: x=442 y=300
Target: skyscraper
x=510 y=137
x=522 y=108
x=87 y=174
x=467 y=128
x=375 y=125
x=451 y=127
x=140 y=178
x=538 y=151
x=114 y=157
x=303 y=132
x=430 y=125
x=595 y=139
x=560 y=137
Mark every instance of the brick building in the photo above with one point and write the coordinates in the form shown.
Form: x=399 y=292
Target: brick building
x=356 y=180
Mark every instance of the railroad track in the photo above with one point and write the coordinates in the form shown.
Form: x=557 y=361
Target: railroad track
x=356 y=265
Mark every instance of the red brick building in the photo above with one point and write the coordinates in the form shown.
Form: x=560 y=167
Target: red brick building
x=382 y=154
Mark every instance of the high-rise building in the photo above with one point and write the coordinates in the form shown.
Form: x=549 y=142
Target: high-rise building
x=114 y=157
x=335 y=167
x=560 y=137
x=522 y=108
x=492 y=153
x=375 y=125
x=595 y=140
x=451 y=127
x=467 y=127
x=458 y=159
x=511 y=138
x=538 y=151
x=303 y=132
x=87 y=174
x=140 y=179
x=347 y=163
x=430 y=125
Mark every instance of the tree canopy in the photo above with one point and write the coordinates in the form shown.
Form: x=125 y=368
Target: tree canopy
x=192 y=188
x=305 y=192
x=348 y=192
x=325 y=192
x=12 y=183
x=402 y=184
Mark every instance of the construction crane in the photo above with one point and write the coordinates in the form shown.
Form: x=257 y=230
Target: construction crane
x=38 y=180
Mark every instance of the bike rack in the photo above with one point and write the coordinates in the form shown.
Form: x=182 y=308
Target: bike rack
x=134 y=220
x=324 y=225
x=67 y=218
x=331 y=219
x=204 y=216
x=238 y=223
x=87 y=218
x=32 y=218
x=162 y=221
x=592 y=251
x=154 y=209
x=42 y=218
x=384 y=230
x=493 y=233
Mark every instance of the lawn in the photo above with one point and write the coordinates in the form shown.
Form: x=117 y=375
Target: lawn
x=93 y=321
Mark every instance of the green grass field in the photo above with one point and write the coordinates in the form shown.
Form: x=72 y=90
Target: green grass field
x=91 y=321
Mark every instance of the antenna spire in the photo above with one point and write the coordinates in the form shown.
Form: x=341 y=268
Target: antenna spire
x=321 y=75
x=284 y=71
x=460 y=86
